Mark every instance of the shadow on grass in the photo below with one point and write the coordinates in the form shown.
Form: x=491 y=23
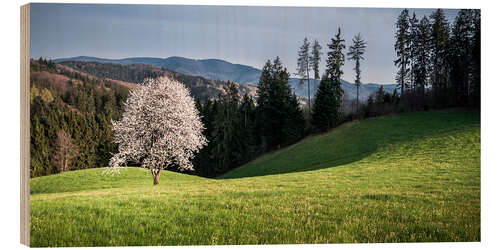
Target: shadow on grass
x=354 y=141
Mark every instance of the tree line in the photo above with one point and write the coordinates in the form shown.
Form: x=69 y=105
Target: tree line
x=439 y=64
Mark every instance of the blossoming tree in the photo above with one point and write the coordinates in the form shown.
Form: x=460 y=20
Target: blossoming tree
x=160 y=127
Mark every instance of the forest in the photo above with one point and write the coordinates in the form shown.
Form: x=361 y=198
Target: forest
x=82 y=108
x=438 y=65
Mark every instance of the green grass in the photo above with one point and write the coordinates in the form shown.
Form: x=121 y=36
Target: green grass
x=401 y=178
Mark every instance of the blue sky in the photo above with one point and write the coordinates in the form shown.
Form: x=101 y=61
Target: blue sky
x=244 y=35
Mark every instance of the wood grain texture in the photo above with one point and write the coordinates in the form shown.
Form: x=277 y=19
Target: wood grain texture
x=25 y=123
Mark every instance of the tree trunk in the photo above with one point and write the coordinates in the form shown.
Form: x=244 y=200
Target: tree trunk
x=156 y=177
x=357 y=98
x=65 y=168
x=308 y=93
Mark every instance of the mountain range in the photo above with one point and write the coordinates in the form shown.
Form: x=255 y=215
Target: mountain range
x=216 y=69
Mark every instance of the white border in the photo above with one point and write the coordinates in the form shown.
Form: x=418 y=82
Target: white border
x=490 y=224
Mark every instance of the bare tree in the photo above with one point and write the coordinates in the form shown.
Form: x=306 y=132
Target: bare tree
x=160 y=128
x=64 y=151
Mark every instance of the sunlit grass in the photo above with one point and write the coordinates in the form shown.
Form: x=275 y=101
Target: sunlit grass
x=415 y=177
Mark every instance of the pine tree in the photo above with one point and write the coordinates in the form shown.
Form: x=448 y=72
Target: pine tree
x=328 y=100
x=39 y=147
x=476 y=59
x=335 y=59
x=326 y=106
x=439 y=43
x=276 y=108
x=422 y=47
x=316 y=58
x=463 y=37
x=265 y=109
x=379 y=95
x=402 y=46
x=203 y=161
x=356 y=51
x=227 y=145
x=247 y=128
x=211 y=109
x=295 y=123
x=395 y=97
x=413 y=43
x=263 y=87
x=303 y=66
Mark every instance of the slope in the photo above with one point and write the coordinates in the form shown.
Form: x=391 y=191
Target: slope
x=425 y=188
x=354 y=141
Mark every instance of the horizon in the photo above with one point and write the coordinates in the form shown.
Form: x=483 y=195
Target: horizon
x=245 y=35
x=163 y=58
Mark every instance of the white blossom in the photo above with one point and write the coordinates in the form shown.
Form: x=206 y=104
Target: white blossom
x=160 y=127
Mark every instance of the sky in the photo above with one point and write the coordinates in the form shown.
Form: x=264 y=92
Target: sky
x=243 y=35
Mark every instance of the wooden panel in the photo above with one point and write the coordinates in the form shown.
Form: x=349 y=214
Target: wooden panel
x=25 y=124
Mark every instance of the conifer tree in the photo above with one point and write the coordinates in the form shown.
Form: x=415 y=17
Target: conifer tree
x=356 y=51
x=402 y=46
x=463 y=34
x=316 y=58
x=476 y=59
x=227 y=145
x=327 y=105
x=422 y=56
x=324 y=112
x=277 y=108
x=294 y=122
x=247 y=128
x=203 y=162
x=336 y=58
x=438 y=53
x=412 y=57
x=304 y=64
x=395 y=97
x=379 y=95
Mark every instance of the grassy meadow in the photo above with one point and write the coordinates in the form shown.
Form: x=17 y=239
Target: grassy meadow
x=402 y=178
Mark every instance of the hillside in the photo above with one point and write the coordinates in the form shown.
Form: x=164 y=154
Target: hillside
x=354 y=141
x=216 y=69
x=403 y=178
x=78 y=104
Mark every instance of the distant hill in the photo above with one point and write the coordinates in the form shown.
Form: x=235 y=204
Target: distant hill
x=216 y=69
x=135 y=73
x=209 y=68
